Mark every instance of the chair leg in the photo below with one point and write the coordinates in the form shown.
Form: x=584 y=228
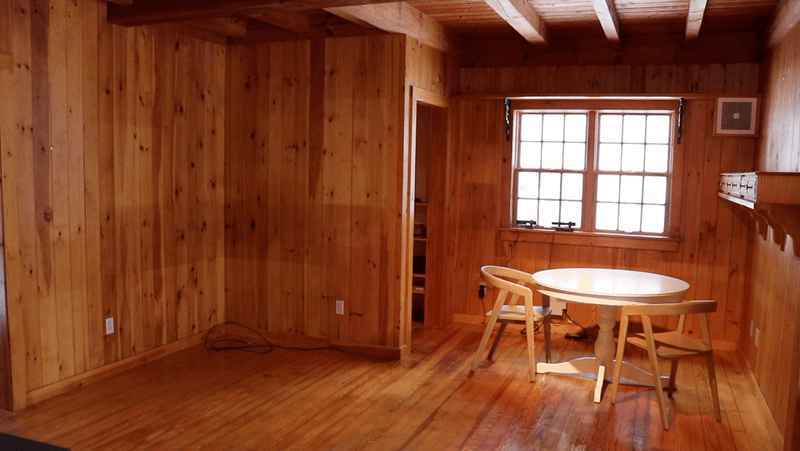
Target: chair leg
x=651 y=351
x=546 y=307
x=497 y=340
x=484 y=340
x=531 y=349
x=712 y=379
x=673 y=371
x=623 y=335
x=547 y=351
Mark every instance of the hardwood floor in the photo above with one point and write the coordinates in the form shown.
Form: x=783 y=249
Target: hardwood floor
x=288 y=399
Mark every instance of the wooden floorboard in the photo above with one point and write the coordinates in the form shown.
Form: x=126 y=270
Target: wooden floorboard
x=199 y=399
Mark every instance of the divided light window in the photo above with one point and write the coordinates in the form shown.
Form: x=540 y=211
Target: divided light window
x=607 y=169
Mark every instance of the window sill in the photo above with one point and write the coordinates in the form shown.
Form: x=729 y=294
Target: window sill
x=577 y=238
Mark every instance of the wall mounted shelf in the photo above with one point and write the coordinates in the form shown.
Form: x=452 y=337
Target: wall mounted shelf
x=772 y=199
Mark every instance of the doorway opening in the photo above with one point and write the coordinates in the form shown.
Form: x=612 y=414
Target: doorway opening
x=429 y=157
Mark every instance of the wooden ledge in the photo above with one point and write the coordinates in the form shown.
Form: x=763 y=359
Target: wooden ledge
x=577 y=238
x=783 y=219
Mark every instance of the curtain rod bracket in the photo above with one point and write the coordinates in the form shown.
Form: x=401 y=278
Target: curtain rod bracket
x=507 y=102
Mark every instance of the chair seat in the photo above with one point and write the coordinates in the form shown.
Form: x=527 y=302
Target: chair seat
x=671 y=345
x=517 y=313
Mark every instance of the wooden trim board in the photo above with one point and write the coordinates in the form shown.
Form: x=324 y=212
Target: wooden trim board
x=79 y=380
x=381 y=352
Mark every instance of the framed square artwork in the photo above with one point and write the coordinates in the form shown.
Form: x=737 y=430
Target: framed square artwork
x=736 y=116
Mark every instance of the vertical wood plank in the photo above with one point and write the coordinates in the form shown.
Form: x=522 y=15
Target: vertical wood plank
x=77 y=181
x=181 y=171
x=42 y=154
x=219 y=183
x=108 y=228
x=148 y=185
x=157 y=191
x=170 y=232
x=59 y=148
x=91 y=154
x=317 y=313
x=233 y=261
x=275 y=202
x=263 y=213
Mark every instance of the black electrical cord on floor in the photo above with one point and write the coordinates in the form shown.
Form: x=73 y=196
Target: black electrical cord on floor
x=264 y=347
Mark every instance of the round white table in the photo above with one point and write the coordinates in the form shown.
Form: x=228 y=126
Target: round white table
x=608 y=289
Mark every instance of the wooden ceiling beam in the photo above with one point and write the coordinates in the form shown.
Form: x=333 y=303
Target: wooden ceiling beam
x=148 y=12
x=194 y=32
x=405 y=19
x=295 y=21
x=523 y=18
x=227 y=26
x=607 y=14
x=342 y=12
x=697 y=8
x=315 y=32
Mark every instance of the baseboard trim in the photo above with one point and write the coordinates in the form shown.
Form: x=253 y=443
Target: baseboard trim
x=277 y=338
x=467 y=319
x=79 y=380
x=381 y=352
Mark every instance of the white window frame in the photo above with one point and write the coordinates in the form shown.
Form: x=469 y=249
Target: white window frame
x=594 y=107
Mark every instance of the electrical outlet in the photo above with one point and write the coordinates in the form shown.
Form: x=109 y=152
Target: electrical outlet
x=758 y=335
x=752 y=324
x=339 y=307
x=109 y=325
x=481 y=289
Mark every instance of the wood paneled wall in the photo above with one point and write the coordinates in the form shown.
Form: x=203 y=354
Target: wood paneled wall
x=112 y=149
x=314 y=187
x=713 y=253
x=775 y=290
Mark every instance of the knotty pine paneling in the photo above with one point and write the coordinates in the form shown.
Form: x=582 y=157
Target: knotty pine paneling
x=712 y=256
x=775 y=274
x=429 y=68
x=313 y=197
x=112 y=157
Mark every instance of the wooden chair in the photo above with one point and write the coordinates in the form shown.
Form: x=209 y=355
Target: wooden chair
x=512 y=313
x=671 y=345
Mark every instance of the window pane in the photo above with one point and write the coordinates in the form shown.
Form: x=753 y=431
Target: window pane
x=526 y=210
x=630 y=189
x=530 y=155
x=553 y=127
x=552 y=155
x=653 y=218
x=609 y=157
x=572 y=186
x=528 y=185
x=575 y=156
x=633 y=157
x=658 y=129
x=548 y=212
x=550 y=186
x=575 y=128
x=656 y=158
x=655 y=190
x=630 y=216
x=531 y=127
x=611 y=128
x=607 y=188
x=633 y=128
x=606 y=216
x=571 y=211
